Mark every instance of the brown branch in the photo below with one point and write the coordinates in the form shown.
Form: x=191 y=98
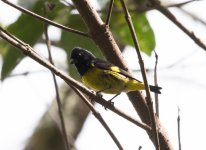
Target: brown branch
x=102 y=36
x=178 y=129
x=182 y=4
x=99 y=117
x=45 y=19
x=157 y=5
x=141 y=63
x=140 y=9
x=196 y=18
x=28 y=51
x=155 y=83
x=62 y=122
x=109 y=12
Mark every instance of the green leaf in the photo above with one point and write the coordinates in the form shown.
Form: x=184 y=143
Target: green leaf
x=27 y=29
x=142 y=27
x=71 y=40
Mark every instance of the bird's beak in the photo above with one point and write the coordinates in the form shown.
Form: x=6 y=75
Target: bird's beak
x=72 y=61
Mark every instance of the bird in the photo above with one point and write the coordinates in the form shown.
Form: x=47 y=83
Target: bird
x=103 y=76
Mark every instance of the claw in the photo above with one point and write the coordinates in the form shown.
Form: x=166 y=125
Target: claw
x=109 y=103
x=98 y=94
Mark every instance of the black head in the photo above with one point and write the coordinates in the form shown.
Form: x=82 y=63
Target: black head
x=81 y=58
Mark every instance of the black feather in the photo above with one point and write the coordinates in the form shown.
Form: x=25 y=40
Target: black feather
x=102 y=64
x=155 y=89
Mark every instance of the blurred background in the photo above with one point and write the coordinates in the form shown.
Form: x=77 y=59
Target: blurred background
x=28 y=111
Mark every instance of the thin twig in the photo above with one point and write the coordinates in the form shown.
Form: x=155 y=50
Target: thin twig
x=155 y=83
x=182 y=3
x=178 y=128
x=140 y=9
x=99 y=117
x=157 y=5
x=28 y=51
x=45 y=19
x=109 y=12
x=58 y=100
x=148 y=98
x=172 y=65
x=196 y=18
x=26 y=73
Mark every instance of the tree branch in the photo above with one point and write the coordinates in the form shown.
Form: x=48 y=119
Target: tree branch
x=182 y=4
x=28 y=51
x=45 y=19
x=156 y=84
x=141 y=63
x=157 y=5
x=102 y=36
x=99 y=117
x=178 y=129
x=62 y=122
x=196 y=18
x=109 y=12
x=140 y=9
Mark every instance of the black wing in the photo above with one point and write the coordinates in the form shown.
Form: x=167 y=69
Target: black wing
x=102 y=64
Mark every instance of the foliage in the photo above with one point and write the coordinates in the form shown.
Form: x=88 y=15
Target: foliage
x=30 y=31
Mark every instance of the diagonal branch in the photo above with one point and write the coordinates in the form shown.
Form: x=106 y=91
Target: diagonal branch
x=99 y=117
x=62 y=122
x=28 y=51
x=104 y=39
x=140 y=9
x=182 y=4
x=45 y=19
x=157 y=5
x=109 y=12
x=141 y=63
x=193 y=16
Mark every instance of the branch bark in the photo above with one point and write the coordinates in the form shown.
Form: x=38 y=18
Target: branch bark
x=157 y=5
x=141 y=63
x=28 y=51
x=102 y=36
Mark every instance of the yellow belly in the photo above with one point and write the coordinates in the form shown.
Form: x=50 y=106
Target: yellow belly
x=110 y=82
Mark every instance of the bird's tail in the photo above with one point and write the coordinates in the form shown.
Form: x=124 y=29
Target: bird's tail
x=155 y=89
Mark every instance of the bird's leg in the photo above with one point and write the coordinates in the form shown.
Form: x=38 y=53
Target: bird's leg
x=117 y=94
x=110 y=101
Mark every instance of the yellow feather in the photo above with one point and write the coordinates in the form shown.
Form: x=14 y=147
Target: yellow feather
x=115 y=69
x=111 y=81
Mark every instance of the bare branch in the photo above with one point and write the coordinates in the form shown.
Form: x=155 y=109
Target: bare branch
x=178 y=128
x=28 y=51
x=140 y=9
x=182 y=4
x=104 y=39
x=196 y=18
x=155 y=83
x=157 y=5
x=109 y=12
x=141 y=63
x=62 y=122
x=99 y=117
x=45 y=19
